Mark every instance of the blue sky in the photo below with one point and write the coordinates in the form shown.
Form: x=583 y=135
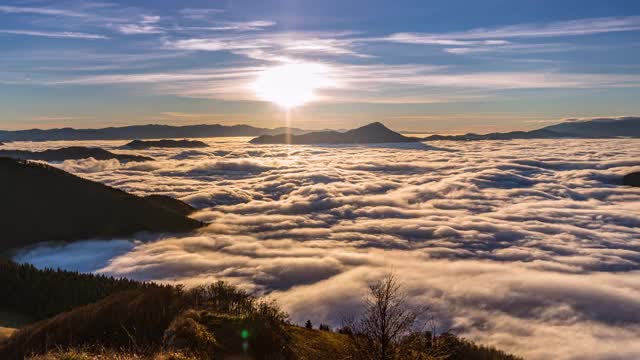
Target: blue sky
x=442 y=66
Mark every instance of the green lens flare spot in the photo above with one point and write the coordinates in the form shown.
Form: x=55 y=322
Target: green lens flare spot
x=244 y=334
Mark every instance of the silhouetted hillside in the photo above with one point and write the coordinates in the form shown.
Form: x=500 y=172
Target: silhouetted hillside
x=591 y=129
x=142 y=132
x=597 y=128
x=42 y=203
x=171 y=204
x=368 y=134
x=140 y=145
x=71 y=153
x=632 y=179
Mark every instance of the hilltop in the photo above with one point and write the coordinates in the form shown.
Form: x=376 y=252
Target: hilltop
x=42 y=203
x=140 y=144
x=369 y=134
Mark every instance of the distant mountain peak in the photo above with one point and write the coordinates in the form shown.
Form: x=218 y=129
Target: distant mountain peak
x=374 y=125
x=374 y=133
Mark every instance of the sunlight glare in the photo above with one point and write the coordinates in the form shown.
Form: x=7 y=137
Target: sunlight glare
x=291 y=85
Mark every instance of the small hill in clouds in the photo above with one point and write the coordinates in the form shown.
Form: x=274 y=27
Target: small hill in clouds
x=42 y=203
x=632 y=179
x=374 y=133
x=142 y=132
x=71 y=153
x=140 y=144
x=601 y=128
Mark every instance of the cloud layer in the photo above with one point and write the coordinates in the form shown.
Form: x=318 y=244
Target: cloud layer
x=526 y=245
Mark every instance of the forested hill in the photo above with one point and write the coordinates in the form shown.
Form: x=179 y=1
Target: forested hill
x=42 y=203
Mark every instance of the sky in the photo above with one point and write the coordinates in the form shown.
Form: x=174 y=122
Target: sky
x=434 y=66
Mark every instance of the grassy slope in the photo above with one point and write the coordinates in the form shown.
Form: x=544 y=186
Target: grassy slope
x=307 y=344
x=6 y=332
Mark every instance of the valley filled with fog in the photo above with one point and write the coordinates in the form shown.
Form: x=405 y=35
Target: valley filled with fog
x=528 y=245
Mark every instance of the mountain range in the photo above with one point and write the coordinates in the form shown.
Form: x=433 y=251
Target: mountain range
x=590 y=129
x=368 y=134
x=142 y=132
x=372 y=133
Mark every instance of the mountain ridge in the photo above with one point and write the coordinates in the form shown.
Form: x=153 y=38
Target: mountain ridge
x=371 y=133
x=597 y=128
x=148 y=131
x=164 y=143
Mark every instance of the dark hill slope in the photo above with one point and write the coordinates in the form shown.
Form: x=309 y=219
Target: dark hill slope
x=70 y=153
x=599 y=128
x=368 y=134
x=632 y=179
x=141 y=144
x=42 y=203
x=171 y=204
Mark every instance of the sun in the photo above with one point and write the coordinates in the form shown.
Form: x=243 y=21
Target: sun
x=291 y=85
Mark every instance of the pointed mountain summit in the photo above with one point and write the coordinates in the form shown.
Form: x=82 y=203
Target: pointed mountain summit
x=374 y=133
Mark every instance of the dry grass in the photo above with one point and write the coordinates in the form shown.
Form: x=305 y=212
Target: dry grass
x=309 y=344
x=5 y=332
x=103 y=354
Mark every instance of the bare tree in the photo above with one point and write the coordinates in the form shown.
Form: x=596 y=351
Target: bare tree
x=387 y=318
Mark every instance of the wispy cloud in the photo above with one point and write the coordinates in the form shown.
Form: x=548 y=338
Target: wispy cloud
x=54 y=34
x=275 y=46
x=60 y=118
x=233 y=26
x=199 y=14
x=513 y=48
x=40 y=11
x=146 y=25
x=553 y=29
x=499 y=39
x=132 y=29
x=366 y=83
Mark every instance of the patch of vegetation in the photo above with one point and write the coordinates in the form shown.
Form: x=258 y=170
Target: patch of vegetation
x=39 y=294
x=217 y=321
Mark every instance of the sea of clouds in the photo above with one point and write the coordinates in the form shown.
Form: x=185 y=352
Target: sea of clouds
x=532 y=246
